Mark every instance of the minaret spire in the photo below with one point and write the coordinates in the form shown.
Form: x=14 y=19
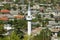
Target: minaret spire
x=29 y=11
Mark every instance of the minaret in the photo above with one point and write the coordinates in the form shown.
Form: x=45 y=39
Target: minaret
x=14 y=0
x=29 y=18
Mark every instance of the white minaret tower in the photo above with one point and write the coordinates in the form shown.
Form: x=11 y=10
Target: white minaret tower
x=29 y=18
x=14 y=0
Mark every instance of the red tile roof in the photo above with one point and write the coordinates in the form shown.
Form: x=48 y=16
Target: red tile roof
x=19 y=16
x=4 y=18
x=5 y=11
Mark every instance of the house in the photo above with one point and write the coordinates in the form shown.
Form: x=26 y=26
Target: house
x=8 y=28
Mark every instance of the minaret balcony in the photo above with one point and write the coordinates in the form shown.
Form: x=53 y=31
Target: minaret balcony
x=28 y=17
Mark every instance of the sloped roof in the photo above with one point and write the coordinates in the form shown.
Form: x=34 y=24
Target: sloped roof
x=4 y=18
x=19 y=16
x=5 y=11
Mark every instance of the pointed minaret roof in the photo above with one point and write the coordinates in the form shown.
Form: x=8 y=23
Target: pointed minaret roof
x=14 y=0
x=29 y=6
x=29 y=11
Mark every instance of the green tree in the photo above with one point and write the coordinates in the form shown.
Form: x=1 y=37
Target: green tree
x=59 y=34
x=27 y=37
x=51 y=15
x=38 y=16
x=7 y=6
x=46 y=20
x=11 y=22
x=14 y=36
x=56 y=20
x=20 y=23
x=0 y=0
x=19 y=33
x=1 y=22
x=6 y=38
x=34 y=20
x=14 y=7
x=44 y=35
x=2 y=31
x=26 y=1
x=1 y=38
